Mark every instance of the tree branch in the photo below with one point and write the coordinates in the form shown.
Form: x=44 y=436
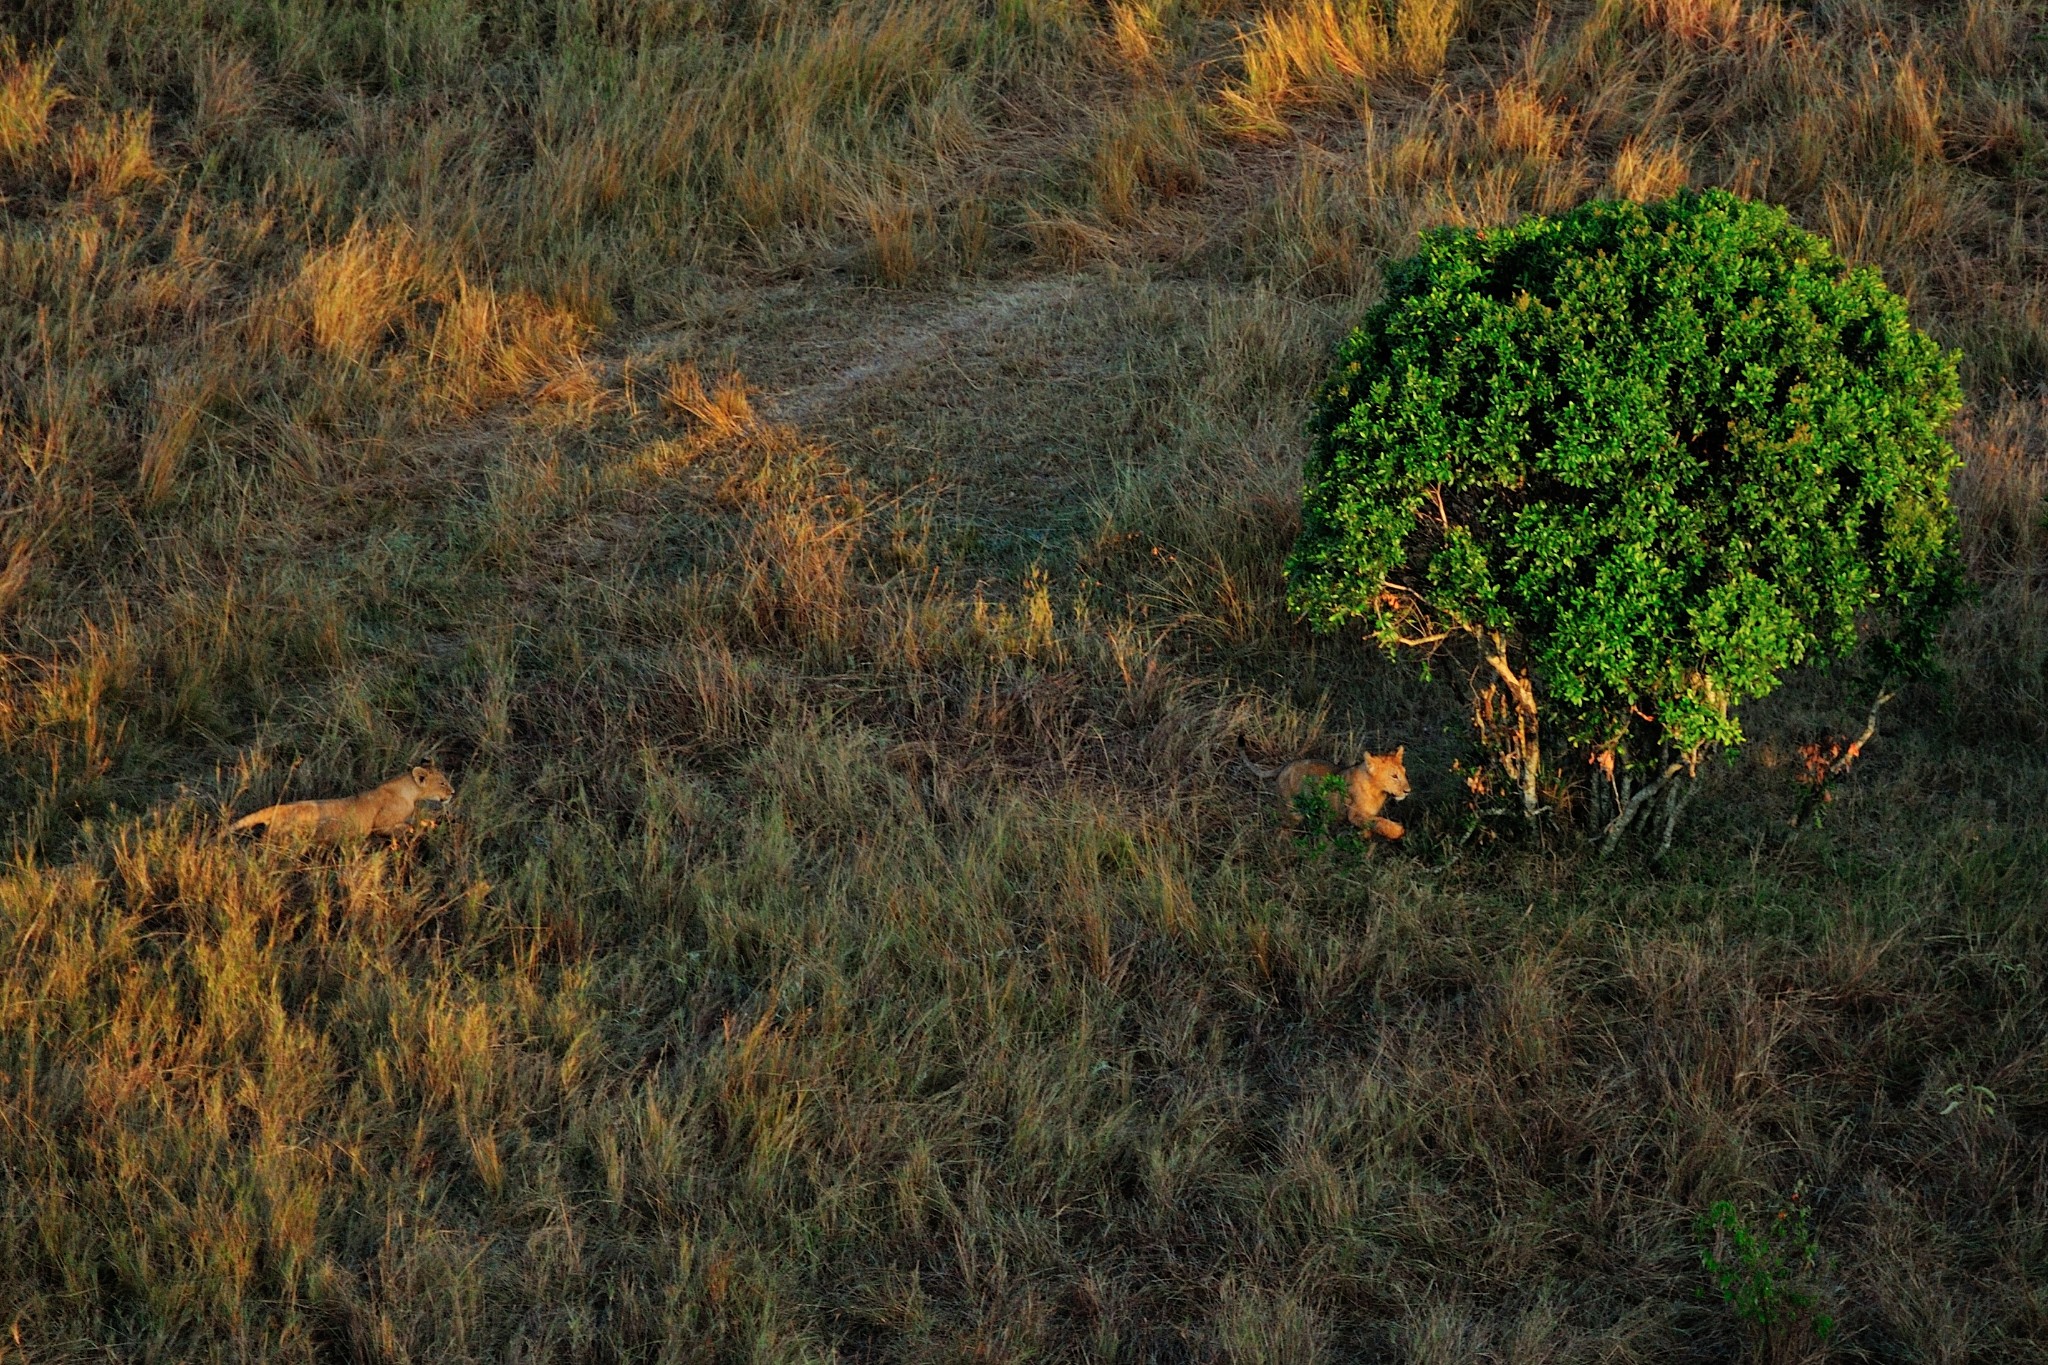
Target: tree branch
x=1619 y=825
x=1524 y=695
x=1841 y=765
x=1528 y=738
x=1674 y=802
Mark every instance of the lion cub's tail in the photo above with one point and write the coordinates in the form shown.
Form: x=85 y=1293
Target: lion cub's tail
x=1264 y=774
x=254 y=818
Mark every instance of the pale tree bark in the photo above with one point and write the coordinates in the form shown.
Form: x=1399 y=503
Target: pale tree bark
x=1528 y=753
x=1639 y=798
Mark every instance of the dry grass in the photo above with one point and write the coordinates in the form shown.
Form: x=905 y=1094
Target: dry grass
x=818 y=478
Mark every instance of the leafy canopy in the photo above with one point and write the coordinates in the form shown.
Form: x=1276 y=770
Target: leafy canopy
x=1664 y=451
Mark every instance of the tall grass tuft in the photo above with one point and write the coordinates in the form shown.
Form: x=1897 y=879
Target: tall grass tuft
x=1648 y=172
x=27 y=95
x=1423 y=30
x=1310 y=50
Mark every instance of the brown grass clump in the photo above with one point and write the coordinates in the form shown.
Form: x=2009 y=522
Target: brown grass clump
x=1423 y=31
x=723 y=411
x=856 y=937
x=1315 y=50
x=173 y=423
x=27 y=95
x=349 y=295
x=1649 y=172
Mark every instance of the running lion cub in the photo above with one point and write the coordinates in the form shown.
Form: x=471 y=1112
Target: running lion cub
x=381 y=810
x=1368 y=785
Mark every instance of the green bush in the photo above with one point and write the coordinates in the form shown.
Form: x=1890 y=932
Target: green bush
x=1644 y=458
x=1762 y=1271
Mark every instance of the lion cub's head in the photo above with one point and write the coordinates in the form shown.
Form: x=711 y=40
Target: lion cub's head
x=433 y=784
x=1388 y=772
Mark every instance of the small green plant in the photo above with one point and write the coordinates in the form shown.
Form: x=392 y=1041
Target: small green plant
x=1639 y=460
x=1324 y=829
x=1762 y=1272
x=1978 y=1101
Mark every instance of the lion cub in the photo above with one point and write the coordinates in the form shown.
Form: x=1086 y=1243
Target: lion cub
x=382 y=810
x=1368 y=785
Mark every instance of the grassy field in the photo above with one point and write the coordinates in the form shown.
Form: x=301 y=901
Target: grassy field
x=817 y=476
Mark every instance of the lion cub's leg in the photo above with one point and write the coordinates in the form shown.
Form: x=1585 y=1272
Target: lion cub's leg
x=1385 y=828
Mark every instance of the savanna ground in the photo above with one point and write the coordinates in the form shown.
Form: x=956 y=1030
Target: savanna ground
x=818 y=476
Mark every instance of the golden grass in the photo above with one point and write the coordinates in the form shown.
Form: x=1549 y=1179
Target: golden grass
x=27 y=96
x=1423 y=31
x=854 y=936
x=1150 y=150
x=349 y=295
x=723 y=411
x=1649 y=172
x=1522 y=123
x=1307 y=51
x=173 y=423
x=1135 y=35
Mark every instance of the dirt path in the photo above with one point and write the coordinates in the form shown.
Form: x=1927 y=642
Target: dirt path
x=917 y=342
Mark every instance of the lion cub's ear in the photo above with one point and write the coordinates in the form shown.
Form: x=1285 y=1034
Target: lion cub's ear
x=421 y=774
x=1399 y=751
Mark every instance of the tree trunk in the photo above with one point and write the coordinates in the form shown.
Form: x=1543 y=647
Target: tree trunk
x=1528 y=739
x=1619 y=825
x=1675 y=798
